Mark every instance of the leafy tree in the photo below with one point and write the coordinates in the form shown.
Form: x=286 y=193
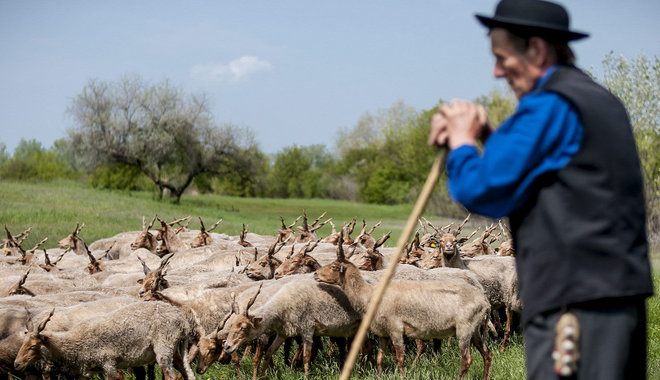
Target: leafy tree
x=27 y=148
x=300 y=172
x=168 y=135
x=34 y=163
x=248 y=178
x=4 y=156
x=637 y=83
x=117 y=177
x=500 y=103
x=365 y=149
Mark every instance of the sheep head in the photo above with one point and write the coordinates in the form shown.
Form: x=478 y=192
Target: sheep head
x=48 y=265
x=447 y=248
x=335 y=272
x=298 y=263
x=18 y=287
x=371 y=259
x=506 y=248
x=12 y=244
x=365 y=238
x=204 y=238
x=241 y=240
x=153 y=280
x=244 y=328
x=145 y=239
x=264 y=268
x=94 y=265
x=170 y=242
x=287 y=234
x=73 y=241
x=30 y=349
x=211 y=347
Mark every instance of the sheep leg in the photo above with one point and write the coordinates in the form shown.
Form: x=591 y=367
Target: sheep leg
x=399 y=354
x=316 y=345
x=486 y=354
x=151 y=372
x=367 y=351
x=182 y=363
x=307 y=356
x=421 y=348
x=287 y=352
x=466 y=355
x=139 y=372
x=341 y=349
x=437 y=346
x=268 y=357
x=507 y=328
x=383 y=343
x=236 y=361
x=297 y=357
x=258 y=354
x=331 y=347
x=248 y=349
x=165 y=360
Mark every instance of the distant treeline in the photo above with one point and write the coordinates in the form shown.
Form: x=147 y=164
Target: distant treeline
x=132 y=135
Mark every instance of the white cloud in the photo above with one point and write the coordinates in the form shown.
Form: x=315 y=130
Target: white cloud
x=233 y=71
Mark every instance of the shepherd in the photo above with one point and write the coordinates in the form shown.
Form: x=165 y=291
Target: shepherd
x=564 y=169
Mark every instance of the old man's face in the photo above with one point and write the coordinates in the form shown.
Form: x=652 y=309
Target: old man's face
x=512 y=64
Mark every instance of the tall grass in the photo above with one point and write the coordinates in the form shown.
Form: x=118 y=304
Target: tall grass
x=54 y=208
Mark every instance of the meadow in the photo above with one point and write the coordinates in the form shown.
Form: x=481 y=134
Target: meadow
x=53 y=209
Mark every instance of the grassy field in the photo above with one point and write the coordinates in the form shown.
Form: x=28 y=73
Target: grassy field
x=53 y=209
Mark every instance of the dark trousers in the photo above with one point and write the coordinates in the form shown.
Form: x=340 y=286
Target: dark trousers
x=612 y=341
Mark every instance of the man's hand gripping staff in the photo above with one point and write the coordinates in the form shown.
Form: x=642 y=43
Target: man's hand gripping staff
x=459 y=123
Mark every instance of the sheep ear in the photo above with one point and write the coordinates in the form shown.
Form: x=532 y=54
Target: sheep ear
x=462 y=240
x=256 y=321
x=140 y=281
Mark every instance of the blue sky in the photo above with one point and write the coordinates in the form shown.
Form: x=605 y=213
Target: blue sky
x=292 y=71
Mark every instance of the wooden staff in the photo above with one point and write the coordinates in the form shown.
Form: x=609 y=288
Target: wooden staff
x=416 y=213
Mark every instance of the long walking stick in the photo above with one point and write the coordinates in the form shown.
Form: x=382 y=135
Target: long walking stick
x=416 y=213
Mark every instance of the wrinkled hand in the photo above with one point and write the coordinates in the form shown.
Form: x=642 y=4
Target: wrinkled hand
x=439 y=133
x=458 y=123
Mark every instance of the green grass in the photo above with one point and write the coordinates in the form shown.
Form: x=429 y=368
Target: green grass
x=53 y=209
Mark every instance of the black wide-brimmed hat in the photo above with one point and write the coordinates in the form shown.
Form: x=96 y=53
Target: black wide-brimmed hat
x=541 y=18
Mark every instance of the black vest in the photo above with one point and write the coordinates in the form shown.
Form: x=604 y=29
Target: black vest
x=581 y=235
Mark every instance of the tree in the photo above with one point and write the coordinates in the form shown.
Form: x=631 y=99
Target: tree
x=300 y=172
x=500 y=103
x=168 y=135
x=4 y=156
x=32 y=162
x=365 y=150
x=637 y=84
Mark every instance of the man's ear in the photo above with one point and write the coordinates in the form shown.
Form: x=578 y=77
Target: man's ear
x=537 y=51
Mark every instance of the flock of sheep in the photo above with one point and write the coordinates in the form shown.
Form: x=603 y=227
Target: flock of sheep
x=173 y=296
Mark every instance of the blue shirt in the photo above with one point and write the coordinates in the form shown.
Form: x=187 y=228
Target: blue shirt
x=541 y=136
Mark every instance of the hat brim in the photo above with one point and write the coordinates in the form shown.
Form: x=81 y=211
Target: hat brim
x=542 y=30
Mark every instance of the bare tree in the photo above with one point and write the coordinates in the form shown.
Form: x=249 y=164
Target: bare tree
x=168 y=135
